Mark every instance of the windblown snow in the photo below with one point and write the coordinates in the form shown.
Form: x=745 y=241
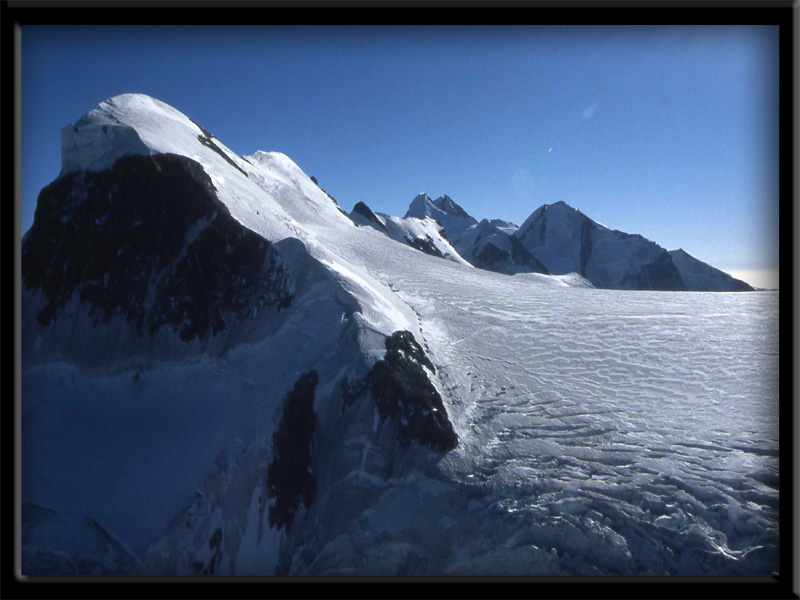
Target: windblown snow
x=599 y=431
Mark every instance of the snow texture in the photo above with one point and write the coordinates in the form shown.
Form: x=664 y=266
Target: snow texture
x=596 y=431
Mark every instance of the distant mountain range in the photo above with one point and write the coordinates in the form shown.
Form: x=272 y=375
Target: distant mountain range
x=556 y=239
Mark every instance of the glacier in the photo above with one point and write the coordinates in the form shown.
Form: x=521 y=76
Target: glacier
x=296 y=426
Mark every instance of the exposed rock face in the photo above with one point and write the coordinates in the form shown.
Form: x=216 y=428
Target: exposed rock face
x=567 y=241
x=365 y=211
x=489 y=257
x=403 y=392
x=521 y=257
x=332 y=199
x=215 y=546
x=487 y=244
x=150 y=239
x=290 y=479
x=208 y=141
x=421 y=233
x=586 y=243
x=516 y=258
x=425 y=245
x=453 y=219
x=660 y=274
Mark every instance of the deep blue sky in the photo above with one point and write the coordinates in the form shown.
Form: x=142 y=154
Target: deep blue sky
x=670 y=132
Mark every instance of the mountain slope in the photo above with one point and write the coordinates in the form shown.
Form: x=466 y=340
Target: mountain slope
x=700 y=276
x=424 y=234
x=143 y=288
x=383 y=411
x=487 y=245
x=567 y=241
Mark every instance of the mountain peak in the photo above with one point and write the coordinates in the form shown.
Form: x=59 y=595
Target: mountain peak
x=561 y=205
x=421 y=206
x=127 y=124
x=446 y=204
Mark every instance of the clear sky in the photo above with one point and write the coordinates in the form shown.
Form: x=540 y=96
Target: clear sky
x=666 y=131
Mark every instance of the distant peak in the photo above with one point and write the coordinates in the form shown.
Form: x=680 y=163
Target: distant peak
x=446 y=204
x=421 y=206
x=362 y=209
x=560 y=204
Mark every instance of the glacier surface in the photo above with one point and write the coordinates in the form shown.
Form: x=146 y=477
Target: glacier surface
x=599 y=431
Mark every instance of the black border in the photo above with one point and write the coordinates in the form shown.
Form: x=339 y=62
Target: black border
x=324 y=12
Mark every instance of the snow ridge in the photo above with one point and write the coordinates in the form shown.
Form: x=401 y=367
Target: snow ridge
x=464 y=422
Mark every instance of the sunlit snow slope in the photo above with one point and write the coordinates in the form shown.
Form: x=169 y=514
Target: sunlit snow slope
x=586 y=431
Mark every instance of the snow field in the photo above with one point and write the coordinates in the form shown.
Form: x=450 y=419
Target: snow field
x=601 y=432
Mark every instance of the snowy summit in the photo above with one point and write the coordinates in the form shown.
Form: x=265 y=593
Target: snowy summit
x=223 y=373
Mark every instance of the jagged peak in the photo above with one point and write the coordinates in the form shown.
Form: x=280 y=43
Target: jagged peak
x=446 y=204
x=131 y=124
x=362 y=209
x=421 y=206
x=559 y=209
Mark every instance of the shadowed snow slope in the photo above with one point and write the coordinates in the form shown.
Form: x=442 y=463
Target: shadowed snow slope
x=700 y=276
x=424 y=234
x=488 y=245
x=567 y=241
x=185 y=353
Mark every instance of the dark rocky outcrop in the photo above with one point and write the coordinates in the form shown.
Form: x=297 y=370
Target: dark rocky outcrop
x=425 y=245
x=490 y=257
x=214 y=544
x=208 y=141
x=520 y=256
x=365 y=211
x=493 y=258
x=586 y=243
x=660 y=274
x=403 y=392
x=335 y=203
x=150 y=239
x=353 y=390
x=290 y=480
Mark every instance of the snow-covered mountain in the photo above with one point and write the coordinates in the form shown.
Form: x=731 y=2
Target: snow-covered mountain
x=487 y=245
x=698 y=275
x=567 y=241
x=424 y=234
x=558 y=239
x=222 y=373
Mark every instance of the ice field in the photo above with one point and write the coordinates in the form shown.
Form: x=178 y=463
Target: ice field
x=650 y=416
x=600 y=432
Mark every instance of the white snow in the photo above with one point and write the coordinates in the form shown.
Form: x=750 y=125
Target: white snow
x=600 y=431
